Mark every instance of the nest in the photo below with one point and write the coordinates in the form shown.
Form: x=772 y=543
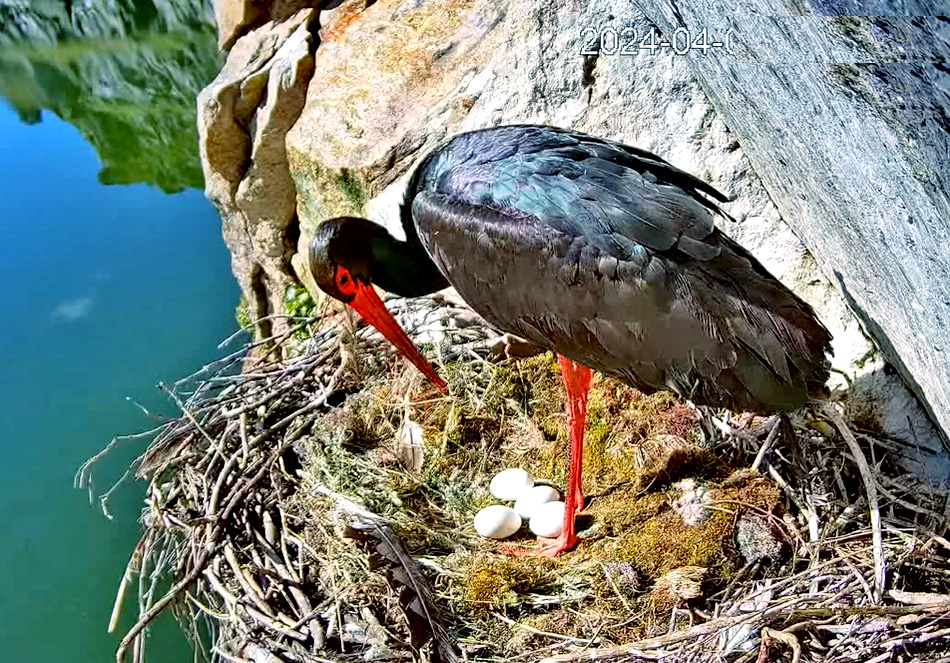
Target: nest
x=319 y=509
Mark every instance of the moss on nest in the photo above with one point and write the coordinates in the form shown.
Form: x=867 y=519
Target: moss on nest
x=622 y=424
x=636 y=448
x=665 y=542
x=495 y=583
x=681 y=462
x=624 y=509
x=650 y=535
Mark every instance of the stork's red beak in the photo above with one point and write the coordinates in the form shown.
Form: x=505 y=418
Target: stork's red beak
x=368 y=304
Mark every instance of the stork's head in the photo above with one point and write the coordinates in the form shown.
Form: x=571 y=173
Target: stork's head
x=342 y=260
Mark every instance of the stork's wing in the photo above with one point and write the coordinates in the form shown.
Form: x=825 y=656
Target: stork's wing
x=578 y=185
x=610 y=256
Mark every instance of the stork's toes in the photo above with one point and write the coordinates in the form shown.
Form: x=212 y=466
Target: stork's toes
x=546 y=547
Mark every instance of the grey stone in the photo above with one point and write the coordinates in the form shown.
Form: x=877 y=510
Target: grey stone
x=243 y=118
x=757 y=541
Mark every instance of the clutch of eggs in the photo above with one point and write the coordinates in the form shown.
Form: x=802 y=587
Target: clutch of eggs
x=500 y=522
x=532 y=498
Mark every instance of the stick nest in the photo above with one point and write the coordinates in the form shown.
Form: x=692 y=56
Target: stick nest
x=320 y=508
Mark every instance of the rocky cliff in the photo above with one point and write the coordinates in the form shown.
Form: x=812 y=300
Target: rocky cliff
x=836 y=185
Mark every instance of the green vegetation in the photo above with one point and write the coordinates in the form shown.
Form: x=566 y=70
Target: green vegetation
x=351 y=189
x=299 y=303
x=128 y=85
x=242 y=314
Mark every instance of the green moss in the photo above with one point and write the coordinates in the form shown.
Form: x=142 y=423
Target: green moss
x=681 y=463
x=851 y=77
x=621 y=423
x=857 y=29
x=531 y=386
x=623 y=510
x=496 y=583
x=850 y=26
x=647 y=533
x=351 y=189
x=600 y=462
x=324 y=191
x=665 y=542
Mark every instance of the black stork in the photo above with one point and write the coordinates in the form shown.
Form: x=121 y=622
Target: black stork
x=605 y=254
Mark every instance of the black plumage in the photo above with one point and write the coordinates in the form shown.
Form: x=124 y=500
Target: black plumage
x=610 y=256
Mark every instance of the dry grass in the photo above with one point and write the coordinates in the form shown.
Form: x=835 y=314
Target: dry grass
x=290 y=517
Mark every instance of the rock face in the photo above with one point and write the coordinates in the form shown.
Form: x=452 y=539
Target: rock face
x=854 y=156
x=235 y=18
x=392 y=80
x=243 y=117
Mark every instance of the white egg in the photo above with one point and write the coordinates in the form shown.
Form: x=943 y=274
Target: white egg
x=548 y=519
x=531 y=499
x=509 y=484
x=497 y=522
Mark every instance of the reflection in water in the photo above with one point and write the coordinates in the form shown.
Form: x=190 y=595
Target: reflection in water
x=104 y=291
x=125 y=73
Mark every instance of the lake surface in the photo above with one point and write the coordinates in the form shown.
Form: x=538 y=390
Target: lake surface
x=104 y=291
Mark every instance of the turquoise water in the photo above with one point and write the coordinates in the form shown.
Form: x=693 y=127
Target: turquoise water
x=104 y=290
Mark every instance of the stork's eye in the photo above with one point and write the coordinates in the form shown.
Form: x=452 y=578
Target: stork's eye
x=344 y=281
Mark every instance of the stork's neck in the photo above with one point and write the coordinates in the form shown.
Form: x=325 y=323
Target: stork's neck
x=404 y=268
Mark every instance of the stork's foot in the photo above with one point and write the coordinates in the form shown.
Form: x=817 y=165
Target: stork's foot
x=514 y=347
x=546 y=547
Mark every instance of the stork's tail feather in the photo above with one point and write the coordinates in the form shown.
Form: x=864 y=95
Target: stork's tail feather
x=781 y=344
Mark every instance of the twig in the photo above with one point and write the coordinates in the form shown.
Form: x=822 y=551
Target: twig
x=870 y=486
x=548 y=634
x=198 y=567
x=162 y=603
x=134 y=561
x=767 y=445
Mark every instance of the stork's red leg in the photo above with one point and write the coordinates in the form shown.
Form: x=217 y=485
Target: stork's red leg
x=577 y=383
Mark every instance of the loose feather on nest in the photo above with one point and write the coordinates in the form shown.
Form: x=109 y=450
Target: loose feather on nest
x=389 y=555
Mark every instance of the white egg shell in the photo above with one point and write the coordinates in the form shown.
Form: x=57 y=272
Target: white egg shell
x=531 y=499
x=548 y=519
x=497 y=522
x=509 y=484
